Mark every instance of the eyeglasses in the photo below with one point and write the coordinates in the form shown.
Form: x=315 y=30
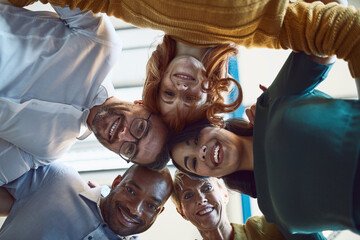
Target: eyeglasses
x=138 y=128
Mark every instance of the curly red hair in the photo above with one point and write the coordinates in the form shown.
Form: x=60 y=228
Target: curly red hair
x=215 y=61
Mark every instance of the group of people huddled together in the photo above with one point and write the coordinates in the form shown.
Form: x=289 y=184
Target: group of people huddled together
x=299 y=153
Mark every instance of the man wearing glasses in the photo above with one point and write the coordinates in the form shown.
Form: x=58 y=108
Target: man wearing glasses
x=43 y=107
x=130 y=130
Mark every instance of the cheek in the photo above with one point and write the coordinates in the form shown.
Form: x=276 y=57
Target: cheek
x=165 y=81
x=187 y=208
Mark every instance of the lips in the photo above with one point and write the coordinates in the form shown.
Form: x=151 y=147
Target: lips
x=125 y=218
x=205 y=211
x=216 y=154
x=114 y=127
x=184 y=76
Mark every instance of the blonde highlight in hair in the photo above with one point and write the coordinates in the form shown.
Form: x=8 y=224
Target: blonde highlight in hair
x=215 y=85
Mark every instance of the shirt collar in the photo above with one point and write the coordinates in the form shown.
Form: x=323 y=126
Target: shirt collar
x=94 y=195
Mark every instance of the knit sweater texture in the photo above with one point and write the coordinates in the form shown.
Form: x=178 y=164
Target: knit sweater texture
x=314 y=28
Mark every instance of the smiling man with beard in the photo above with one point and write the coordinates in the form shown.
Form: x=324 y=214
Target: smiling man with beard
x=136 y=199
x=53 y=82
x=53 y=202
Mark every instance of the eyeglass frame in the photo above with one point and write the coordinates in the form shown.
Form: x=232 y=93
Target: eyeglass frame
x=128 y=160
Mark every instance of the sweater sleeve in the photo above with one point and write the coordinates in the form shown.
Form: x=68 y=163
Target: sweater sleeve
x=320 y=30
x=314 y=28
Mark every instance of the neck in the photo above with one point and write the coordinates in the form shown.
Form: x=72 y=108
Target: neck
x=102 y=199
x=223 y=232
x=183 y=49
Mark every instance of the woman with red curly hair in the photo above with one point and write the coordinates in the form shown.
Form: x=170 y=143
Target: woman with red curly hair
x=185 y=83
x=313 y=28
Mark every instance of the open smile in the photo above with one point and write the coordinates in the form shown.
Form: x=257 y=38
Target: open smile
x=207 y=210
x=125 y=218
x=216 y=154
x=184 y=76
x=114 y=127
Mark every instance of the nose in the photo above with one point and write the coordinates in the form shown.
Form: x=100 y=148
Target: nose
x=135 y=208
x=125 y=135
x=201 y=199
x=202 y=153
x=181 y=86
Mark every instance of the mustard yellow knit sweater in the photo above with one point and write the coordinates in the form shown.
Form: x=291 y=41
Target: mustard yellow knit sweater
x=314 y=28
x=257 y=228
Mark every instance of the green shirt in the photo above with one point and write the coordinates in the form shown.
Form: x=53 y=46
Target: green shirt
x=306 y=150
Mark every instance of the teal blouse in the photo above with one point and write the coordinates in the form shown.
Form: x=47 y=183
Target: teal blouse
x=306 y=152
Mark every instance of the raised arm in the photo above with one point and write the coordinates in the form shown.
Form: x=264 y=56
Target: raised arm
x=6 y=202
x=314 y=28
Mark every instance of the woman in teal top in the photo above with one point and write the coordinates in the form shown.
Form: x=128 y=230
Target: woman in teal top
x=302 y=162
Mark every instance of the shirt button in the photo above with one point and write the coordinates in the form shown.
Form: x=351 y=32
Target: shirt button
x=90 y=237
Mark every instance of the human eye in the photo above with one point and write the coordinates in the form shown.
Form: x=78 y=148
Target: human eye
x=169 y=93
x=130 y=149
x=140 y=128
x=208 y=187
x=153 y=207
x=190 y=98
x=188 y=195
x=130 y=190
x=127 y=149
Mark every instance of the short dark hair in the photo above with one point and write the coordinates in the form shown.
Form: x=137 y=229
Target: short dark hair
x=241 y=181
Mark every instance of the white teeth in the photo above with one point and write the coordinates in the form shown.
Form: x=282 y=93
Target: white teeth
x=113 y=127
x=183 y=76
x=206 y=210
x=127 y=219
x=216 y=155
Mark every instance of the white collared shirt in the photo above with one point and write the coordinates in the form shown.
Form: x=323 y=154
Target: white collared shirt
x=52 y=68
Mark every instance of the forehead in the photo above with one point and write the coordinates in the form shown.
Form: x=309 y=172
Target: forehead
x=189 y=183
x=151 y=183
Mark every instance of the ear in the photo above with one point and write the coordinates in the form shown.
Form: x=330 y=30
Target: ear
x=181 y=213
x=116 y=181
x=161 y=210
x=226 y=198
x=139 y=102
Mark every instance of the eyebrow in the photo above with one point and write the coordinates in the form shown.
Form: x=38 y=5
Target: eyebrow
x=135 y=184
x=157 y=200
x=186 y=159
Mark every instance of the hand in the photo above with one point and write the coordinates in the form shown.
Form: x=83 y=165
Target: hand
x=6 y=202
x=250 y=112
x=92 y=184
